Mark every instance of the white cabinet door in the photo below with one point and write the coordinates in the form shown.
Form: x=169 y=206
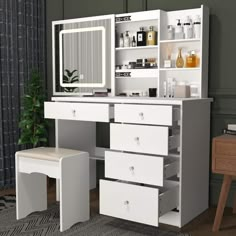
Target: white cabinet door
x=139 y=168
x=77 y=111
x=146 y=114
x=143 y=139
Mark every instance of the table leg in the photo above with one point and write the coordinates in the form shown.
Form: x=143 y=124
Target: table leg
x=222 y=201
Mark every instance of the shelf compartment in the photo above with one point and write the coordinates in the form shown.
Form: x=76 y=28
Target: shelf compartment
x=137 y=48
x=180 y=69
x=137 y=73
x=181 y=40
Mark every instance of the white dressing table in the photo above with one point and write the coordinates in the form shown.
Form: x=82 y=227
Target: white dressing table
x=159 y=153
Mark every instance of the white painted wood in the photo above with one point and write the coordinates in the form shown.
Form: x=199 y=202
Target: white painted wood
x=130 y=202
x=171 y=218
x=142 y=114
x=31 y=188
x=194 y=169
x=129 y=100
x=74 y=190
x=143 y=139
x=139 y=168
x=29 y=165
x=31 y=192
x=77 y=111
x=137 y=203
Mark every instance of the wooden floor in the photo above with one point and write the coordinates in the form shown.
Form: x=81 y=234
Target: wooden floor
x=201 y=226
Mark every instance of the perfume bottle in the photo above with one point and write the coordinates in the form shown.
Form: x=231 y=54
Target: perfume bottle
x=191 y=59
x=121 y=41
x=151 y=36
x=170 y=32
x=134 y=42
x=141 y=37
x=179 y=61
x=126 y=39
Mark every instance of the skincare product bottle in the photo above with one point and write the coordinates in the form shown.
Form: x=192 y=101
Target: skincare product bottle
x=168 y=62
x=126 y=39
x=173 y=84
x=188 y=29
x=134 y=42
x=169 y=87
x=170 y=32
x=197 y=27
x=121 y=42
x=179 y=33
x=141 y=37
x=191 y=59
x=165 y=89
x=179 y=61
x=151 y=36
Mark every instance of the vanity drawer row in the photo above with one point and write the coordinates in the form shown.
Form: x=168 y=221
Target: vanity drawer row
x=138 y=163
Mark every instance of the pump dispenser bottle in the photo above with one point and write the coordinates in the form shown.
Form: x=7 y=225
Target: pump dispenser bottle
x=151 y=36
x=141 y=37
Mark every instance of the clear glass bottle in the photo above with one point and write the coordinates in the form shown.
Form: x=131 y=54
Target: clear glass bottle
x=126 y=39
x=141 y=37
x=151 y=36
x=121 y=41
x=179 y=61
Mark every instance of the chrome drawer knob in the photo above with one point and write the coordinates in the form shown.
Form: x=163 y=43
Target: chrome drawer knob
x=141 y=115
x=136 y=139
x=131 y=168
x=73 y=112
x=126 y=203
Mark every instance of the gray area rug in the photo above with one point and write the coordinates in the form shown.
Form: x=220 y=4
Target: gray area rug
x=47 y=223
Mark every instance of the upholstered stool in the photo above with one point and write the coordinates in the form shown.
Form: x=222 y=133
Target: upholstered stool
x=70 y=167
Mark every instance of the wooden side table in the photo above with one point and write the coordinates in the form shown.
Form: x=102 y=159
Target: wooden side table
x=224 y=162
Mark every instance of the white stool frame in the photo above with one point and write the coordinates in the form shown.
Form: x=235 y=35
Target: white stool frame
x=72 y=173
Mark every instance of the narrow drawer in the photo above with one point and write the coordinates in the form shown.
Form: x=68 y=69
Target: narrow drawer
x=137 y=203
x=78 y=111
x=143 y=139
x=146 y=114
x=139 y=168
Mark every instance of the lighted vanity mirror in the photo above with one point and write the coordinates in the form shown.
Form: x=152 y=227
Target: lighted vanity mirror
x=83 y=55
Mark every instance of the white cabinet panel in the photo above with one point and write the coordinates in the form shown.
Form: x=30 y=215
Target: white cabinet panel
x=143 y=139
x=139 y=168
x=143 y=114
x=78 y=111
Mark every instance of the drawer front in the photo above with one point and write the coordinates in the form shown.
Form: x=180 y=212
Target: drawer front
x=77 y=111
x=135 y=168
x=136 y=138
x=145 y=114
x=129 y=202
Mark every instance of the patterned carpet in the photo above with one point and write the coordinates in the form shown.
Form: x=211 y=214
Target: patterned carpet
x=47 y=223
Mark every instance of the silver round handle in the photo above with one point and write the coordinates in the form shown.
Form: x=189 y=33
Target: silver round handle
x=74 y=112
x=141 y=115
x=126 y=203
x=131 y=168
x=136 y=139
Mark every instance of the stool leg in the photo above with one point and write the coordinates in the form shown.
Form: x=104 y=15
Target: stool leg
x=222 y=201
x=234 y=204
x=31 y=193
x=74 y=190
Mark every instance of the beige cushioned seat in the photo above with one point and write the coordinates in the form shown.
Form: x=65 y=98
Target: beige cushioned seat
x=48 y=153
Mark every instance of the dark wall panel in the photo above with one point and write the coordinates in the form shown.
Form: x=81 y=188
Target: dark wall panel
x=75 y=8
x=136 y=5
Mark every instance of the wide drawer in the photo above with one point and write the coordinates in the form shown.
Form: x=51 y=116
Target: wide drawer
x=78 y=111
x=143 y=139
x=146 y=114
x=137 y=203
x=139 y=168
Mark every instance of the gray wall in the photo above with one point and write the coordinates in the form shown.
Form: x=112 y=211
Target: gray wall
x=222 y=84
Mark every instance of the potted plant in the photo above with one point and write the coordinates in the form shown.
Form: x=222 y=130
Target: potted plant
x=32 y=125
x=69 y=78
